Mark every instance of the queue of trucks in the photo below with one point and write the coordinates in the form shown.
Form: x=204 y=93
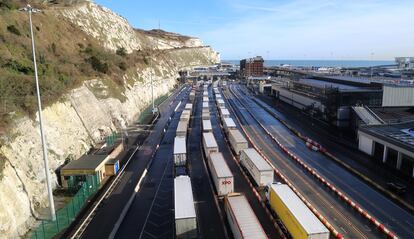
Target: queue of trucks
x=296 y=217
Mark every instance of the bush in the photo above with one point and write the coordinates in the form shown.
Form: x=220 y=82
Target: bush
x=19 y=67
x=121 y=51
x=13 y=29
x=122 y=66
x=98 y=65
x=146 y=61
x=2 y=163
x=8 y=4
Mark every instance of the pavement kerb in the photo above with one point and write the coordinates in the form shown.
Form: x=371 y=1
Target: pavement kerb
x=307 y=203
x=252 y=187
x=380 y=188
x=373 y=220
x=137 y=187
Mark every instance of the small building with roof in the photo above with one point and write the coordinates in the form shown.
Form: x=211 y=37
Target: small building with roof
x=391 y=144
x=102 y=164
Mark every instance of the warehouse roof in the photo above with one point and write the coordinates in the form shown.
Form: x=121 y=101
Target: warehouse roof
x=86 y=162
x=401 y=135
x=326 y=84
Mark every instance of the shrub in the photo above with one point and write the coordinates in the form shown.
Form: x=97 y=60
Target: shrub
x=146 y=61
x=13 y=29
x=19 y=67
x=122 y=65
x=121 y=51
x=98 y=65
x=2 y=163
x=8 y=4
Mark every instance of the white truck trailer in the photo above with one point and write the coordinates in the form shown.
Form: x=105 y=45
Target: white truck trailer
x=243 y=222
x=189 y=106
x=237 y=141
x=209 y=144
x=181 y=128
x=207 y=126
x=224 y=112
x=184 y=210
x=192 y=96
x=220 y=102
x=259 y=169
x=228 y=124
x=205 y=105
x=221 y=174
x=180 y=151
x=295 y=215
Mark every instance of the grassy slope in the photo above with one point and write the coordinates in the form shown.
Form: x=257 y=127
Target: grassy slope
x=64 y=61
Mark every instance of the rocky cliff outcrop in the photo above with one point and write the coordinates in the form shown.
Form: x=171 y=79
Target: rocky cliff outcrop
x=87 y=113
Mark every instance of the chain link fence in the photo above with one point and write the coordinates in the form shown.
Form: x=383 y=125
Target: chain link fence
x=64 y=216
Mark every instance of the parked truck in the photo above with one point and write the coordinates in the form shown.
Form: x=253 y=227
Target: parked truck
x=224 y=112
x=242 y=220
x=184 y=210
x=259 y=169
x=180 y=151
x=182 y=128
x=207 y=126
x=295 y=215
x=189 y=106
x=220 y=102
x=209 y=144
x=205 y=105
x=237 y=141
x=228 y=124
x=221 y=174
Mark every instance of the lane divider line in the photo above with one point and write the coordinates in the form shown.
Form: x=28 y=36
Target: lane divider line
x=285 y=180
x=356 y=207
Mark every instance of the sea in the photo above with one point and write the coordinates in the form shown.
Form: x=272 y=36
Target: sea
x=321 y=63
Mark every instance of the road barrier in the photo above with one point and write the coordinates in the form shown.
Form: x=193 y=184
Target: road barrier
x=342 y=195
x=252 y=187
x=285 y=180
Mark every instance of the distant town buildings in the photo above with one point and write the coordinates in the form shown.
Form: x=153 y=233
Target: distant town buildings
x=252 y=66
x=405 y=62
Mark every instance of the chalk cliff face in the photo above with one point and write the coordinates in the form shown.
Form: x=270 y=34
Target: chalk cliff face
x=86 y=114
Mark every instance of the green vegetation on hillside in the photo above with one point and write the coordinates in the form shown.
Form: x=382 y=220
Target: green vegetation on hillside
x=66 y=57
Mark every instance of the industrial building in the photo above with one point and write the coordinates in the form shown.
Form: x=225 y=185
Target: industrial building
x=405 y=62
x=337 y=99
x=252 y=66
x=391 y=144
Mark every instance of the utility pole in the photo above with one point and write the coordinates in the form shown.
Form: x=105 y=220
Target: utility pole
x=29 y=9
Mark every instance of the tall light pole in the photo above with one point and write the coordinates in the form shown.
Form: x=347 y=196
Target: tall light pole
x=29 y=9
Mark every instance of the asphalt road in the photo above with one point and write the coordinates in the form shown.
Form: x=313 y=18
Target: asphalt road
x=342 y=218
x=209 y=219
x=343 y=148
x=151 y=214
x=105 y=218
x=241 y=185
x=386 y=211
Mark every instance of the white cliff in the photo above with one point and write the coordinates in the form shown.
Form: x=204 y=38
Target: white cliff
x=85 y=115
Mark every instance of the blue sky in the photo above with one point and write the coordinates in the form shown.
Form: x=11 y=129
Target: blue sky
x=283 y=29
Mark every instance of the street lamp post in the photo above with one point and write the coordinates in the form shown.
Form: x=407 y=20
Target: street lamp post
x=29 y=9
